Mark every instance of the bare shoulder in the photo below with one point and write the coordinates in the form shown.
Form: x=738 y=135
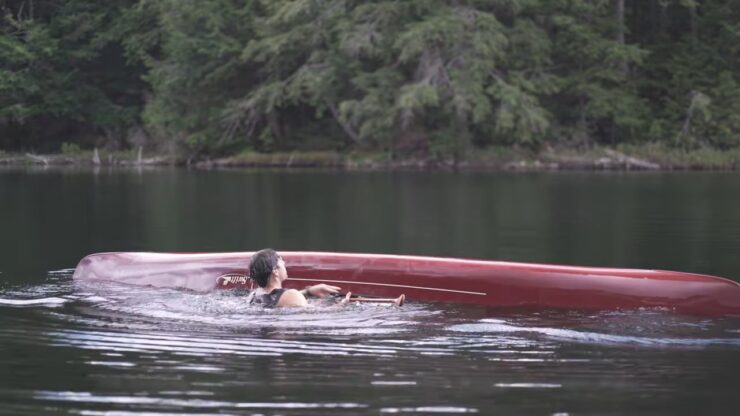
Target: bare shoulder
x=292 y=297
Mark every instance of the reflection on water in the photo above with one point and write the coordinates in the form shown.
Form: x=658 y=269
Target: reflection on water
x=116 y=349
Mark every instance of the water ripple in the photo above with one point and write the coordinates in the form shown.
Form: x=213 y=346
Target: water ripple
x=496 y=326
x=190 y=345
x=52 y=302
x=85 y=397
x=429 y=409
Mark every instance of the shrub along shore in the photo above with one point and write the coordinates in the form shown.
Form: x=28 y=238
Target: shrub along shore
x=653 y=157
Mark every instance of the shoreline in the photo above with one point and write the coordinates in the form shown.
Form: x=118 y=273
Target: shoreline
x=649 y=157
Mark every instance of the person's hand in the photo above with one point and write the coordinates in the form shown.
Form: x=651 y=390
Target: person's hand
x=345 y=300
x=322 y=290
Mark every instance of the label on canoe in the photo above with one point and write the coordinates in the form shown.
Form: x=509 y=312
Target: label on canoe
x=233 y=281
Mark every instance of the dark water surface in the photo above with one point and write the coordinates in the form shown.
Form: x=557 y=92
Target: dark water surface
x=107 y=349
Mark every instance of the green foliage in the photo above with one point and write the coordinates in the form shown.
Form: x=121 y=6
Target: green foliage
x=427 y=77
x=598 y=95
x=62 y=67
x=192 y=54
x=695 y=75
x=70 y=148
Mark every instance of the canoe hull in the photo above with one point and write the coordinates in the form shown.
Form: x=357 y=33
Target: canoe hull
x=487 y=283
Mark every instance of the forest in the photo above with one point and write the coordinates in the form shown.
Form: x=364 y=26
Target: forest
x=441 y=78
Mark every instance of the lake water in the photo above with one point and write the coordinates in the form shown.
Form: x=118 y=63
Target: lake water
x=104 y=349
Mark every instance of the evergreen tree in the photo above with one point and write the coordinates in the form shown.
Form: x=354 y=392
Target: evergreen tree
x=597 y=101
x=693 y=74
x=63 y=76
x=192 y=52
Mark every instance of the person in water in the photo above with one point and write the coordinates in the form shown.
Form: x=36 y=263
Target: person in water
x=267 y=269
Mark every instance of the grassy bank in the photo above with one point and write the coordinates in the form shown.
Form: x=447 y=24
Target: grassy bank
x=623 y=157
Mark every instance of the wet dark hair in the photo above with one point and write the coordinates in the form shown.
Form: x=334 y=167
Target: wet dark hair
x=262 y=264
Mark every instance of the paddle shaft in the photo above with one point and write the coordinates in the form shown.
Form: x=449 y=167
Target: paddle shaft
x=373 y=300
x=399 y=301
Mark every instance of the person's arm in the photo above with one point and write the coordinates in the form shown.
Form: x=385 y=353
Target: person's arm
x=320 y=290
x=292 y=298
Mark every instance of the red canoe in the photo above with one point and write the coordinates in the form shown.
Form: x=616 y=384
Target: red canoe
x=487 y=283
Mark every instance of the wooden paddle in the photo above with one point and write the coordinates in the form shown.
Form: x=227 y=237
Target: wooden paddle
x=399 y=301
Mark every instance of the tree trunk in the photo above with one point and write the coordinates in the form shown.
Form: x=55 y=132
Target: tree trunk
x=348 y=130
x=663 y=18
x=272 y=121
x=582 y=126
x=693 y=23
x=619 y=14
x=619 y=8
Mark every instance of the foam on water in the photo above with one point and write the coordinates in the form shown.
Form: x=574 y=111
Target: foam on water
x=228 y=309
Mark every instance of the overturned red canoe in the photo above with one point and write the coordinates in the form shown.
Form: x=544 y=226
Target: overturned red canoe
x=488 y=283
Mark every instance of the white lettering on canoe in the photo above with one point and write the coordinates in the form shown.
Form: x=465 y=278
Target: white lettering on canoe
x=232 y=278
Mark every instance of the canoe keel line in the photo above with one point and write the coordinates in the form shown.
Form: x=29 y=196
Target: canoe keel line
x=433 y=279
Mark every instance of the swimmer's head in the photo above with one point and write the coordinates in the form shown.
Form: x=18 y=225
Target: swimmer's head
x=264 y=264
